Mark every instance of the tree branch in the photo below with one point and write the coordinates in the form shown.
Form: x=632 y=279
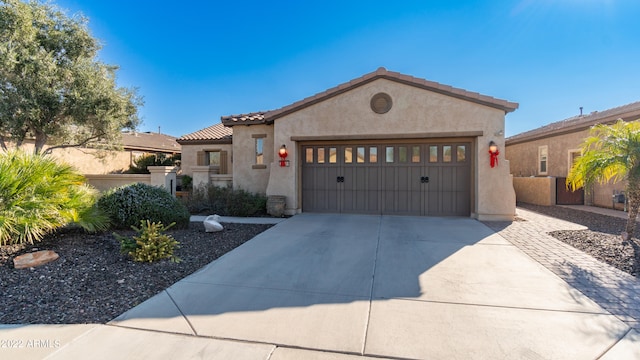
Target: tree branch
x=80 y=144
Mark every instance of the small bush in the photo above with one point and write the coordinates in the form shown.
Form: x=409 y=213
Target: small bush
x=151 y=244
x=226 y=201
x=140 y=164
x=127 y=205
x=187 y=183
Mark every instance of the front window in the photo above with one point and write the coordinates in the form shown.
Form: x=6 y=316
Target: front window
x=259 y=151
x=214 y=158
x=543 y=155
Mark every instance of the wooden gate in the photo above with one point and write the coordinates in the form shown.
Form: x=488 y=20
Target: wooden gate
x=565 y=196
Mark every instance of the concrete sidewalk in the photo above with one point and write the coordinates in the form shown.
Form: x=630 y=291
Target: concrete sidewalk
x=332 y=287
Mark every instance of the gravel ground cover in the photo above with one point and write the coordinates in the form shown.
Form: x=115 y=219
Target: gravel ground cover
x=92 y=282
x=602 y=240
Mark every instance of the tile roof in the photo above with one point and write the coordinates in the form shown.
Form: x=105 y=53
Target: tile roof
x=267 y=117
x=150 y=141
x=217 y=133
x=628 y=112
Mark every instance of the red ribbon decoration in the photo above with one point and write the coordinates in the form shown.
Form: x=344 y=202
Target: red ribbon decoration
x=494 y=157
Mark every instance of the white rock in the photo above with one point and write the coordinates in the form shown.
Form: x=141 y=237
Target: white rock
x=212 y=223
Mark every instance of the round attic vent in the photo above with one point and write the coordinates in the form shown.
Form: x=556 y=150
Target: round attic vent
x=381 y=103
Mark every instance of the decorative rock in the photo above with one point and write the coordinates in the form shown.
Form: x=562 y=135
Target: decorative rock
x=212 y=224
x=34 y=259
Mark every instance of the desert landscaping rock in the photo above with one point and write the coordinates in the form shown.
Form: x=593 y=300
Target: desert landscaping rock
x=92 y=282
x=34 y=259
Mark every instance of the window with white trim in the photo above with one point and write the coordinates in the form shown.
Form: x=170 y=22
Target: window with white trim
x=543 y=156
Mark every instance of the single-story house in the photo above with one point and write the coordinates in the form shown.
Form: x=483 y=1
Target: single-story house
x=542 y=158
x=149 y=143
x=89 y=160
x=383 y=143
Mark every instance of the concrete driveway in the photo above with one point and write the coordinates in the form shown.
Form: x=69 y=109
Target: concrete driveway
x=333 y=286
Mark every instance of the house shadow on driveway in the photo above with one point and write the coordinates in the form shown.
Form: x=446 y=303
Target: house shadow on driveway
x=409 y=287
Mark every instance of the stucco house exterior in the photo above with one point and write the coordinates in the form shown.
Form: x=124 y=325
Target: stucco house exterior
x=383 y=143
x=541 y=159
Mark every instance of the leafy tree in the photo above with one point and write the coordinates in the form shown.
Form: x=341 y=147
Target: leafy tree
x=611 y=152
x=52 y=87
x=39 y=195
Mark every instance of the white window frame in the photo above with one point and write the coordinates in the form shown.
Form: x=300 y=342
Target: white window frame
x=543 y=149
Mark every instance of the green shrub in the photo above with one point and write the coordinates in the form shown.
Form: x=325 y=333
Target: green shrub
x=226 y=201
x=187 y=183
x=127 y=205
x=151 y=244
x=39 y=195
x=140 y=164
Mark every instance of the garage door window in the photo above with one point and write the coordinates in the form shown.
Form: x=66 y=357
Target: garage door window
x=348 y=155
x=433 y=154
x=415 y=154
x=333 y=155
x=309 y=155
x=446 y=153
x=461 y=153
x=402 y=154
x=361 y=157
x=373 y=154
x=389 y=153
x=320 y=155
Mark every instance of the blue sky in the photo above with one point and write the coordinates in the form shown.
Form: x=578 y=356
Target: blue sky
x=194 y=61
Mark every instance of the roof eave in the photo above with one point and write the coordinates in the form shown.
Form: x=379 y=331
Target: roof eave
x=204 y=141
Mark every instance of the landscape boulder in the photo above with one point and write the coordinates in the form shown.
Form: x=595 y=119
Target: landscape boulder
x=212 y=224
x=34 y=259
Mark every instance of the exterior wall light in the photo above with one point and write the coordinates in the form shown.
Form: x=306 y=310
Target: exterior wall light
x=493 y=153
x=283 y=156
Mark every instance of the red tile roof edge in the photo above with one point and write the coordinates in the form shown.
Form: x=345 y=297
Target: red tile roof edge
x=217 y=133
x=267 y=117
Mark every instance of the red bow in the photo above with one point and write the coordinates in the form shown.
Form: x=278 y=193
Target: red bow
x=494 y=157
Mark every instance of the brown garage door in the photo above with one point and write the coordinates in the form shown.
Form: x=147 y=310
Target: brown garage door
x=402 y=179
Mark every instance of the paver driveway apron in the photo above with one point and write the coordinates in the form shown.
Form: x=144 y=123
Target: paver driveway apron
x=410 y=287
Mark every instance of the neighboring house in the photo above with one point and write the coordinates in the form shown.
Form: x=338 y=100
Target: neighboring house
x=384 y=143
x=134 y=145
x=209 y=148
x=149 y=143
x=549 y=152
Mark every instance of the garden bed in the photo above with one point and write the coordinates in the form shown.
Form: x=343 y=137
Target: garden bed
x=602 y=240
x=92 y=282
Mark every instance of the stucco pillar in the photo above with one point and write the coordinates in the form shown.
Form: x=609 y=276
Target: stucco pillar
x=201 y=175
x=164 y=176
x=282 y=179
x=495 y=196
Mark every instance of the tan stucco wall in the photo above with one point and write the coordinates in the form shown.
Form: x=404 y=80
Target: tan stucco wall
x=246 y=174
x=86 y=161
x=535 y=190
x=189 y=157
x=105 y=182
x=524 y=156
x=415 y=111
x=602 y=195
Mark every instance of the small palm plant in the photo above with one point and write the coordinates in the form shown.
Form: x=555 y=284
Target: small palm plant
x=611 y=152
x=39 y=195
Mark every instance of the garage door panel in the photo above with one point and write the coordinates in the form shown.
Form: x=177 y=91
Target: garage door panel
x=390 y=179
